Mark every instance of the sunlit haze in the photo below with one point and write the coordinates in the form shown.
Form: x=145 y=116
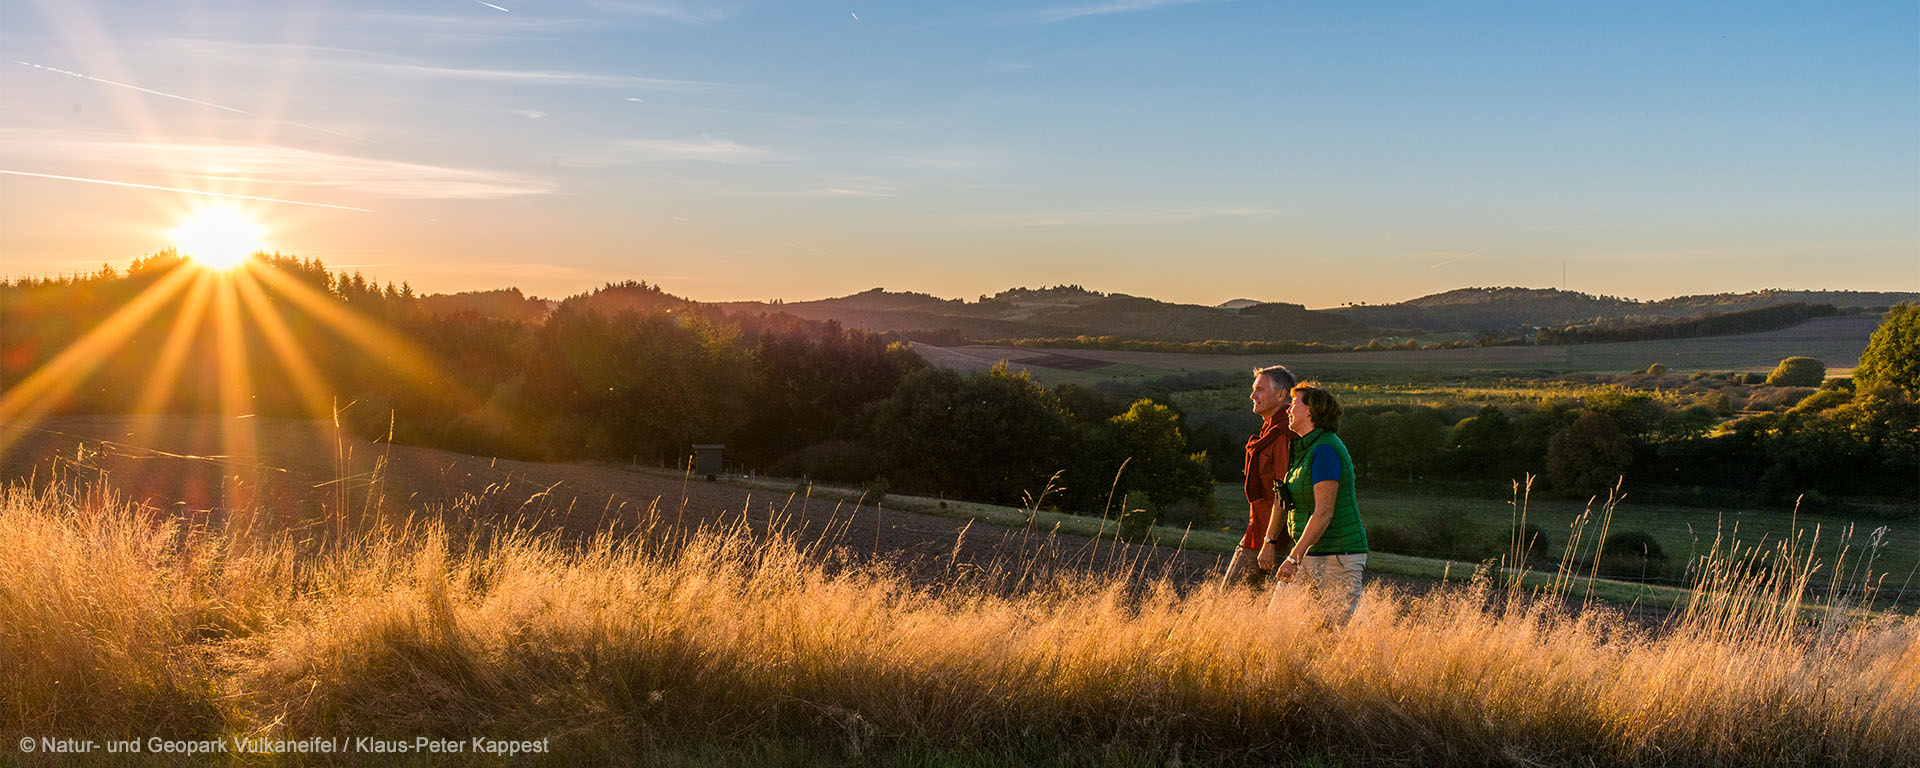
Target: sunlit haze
x=1187 y=151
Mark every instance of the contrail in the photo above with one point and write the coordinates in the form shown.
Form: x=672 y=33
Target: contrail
x=164 y=94
x=137 y=88
x=1454 y=259
x=187 y=191
x=495 y=7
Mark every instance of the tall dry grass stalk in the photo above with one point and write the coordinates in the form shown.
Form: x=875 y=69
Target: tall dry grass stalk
x=116 y=620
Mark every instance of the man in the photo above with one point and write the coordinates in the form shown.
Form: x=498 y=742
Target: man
x=1266 y=462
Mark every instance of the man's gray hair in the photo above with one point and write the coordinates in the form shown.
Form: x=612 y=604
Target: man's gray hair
x=1280 y=375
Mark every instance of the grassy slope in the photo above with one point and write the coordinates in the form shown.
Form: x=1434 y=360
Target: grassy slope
x=771 y=654
x=1681 y=531
x=1224 y=539
x=1836 y=341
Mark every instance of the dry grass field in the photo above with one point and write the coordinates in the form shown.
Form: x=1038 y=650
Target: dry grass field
x=724 y=647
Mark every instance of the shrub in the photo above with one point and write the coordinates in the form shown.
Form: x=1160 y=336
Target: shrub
x=874 y=492
x=1777 y=398
x=1136 y=515
x=1797 y=372
x=1657 y=369
x=1388 y=537
x=1536 y=544
x=1196 y=513
x=1632 y=554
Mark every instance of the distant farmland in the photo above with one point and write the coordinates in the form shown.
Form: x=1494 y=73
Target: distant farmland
x=1836 y=341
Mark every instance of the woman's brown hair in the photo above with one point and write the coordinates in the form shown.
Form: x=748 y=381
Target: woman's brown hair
x=1321 y=407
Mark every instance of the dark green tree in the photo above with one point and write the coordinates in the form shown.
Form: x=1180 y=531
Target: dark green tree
x=1407 y=442
x=1636 y=414
x=1149 y=434
x=1587 y=457
x=989 y=436
x=1482 y=445
x=1893 y=353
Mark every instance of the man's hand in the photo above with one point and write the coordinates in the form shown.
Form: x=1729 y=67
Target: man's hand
x=1286 y=570
x=1266 y=556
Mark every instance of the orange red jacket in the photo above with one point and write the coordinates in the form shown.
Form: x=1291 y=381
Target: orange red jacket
x=1267 y=459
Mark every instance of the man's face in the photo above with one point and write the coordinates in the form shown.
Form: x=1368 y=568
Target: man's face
x=1268 y=398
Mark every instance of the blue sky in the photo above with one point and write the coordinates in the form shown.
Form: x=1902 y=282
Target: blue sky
x=1191 y=151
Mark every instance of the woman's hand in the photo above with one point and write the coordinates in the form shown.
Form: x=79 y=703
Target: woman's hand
x=1266 y=556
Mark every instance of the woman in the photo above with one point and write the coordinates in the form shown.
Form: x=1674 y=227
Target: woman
x=1329 y=541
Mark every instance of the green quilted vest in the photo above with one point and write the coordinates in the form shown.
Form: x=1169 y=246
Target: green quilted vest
x=1345 y=533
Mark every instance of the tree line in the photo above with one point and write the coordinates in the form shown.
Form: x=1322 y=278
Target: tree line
x=1754 y=320
x=626 y=373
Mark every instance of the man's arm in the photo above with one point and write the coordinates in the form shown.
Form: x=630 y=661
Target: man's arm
x=1276 y=530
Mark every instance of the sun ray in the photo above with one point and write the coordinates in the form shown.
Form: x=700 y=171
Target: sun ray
x=186 y=326
x=48 y=386
x=173 y=352
x=382 y=344
x=307 y=379
x=238 y=441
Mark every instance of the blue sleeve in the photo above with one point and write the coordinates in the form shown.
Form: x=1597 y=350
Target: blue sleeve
x=1326 y=464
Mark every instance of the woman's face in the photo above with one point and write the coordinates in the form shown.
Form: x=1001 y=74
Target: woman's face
x=1298 y=419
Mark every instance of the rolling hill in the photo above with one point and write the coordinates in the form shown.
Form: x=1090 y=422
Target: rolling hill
x=1069 y=311
x=1510 y=309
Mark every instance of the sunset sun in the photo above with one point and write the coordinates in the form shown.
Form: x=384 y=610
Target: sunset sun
x=218 y=238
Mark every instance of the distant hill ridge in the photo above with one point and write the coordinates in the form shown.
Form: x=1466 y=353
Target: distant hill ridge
x=1508 y=309
x=1067 y=311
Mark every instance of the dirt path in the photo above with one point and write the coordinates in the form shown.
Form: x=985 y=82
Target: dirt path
x=301 y=470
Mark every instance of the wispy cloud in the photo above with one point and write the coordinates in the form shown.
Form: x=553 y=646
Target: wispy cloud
x=1130 y=215
x=530 y=114
x=538 y=76
x=1069 y=13
x=942 y=158
x=674 y=12
x=491 y=5
x=327 y=60
x=455 y=27
x=706 y=148
x=229 y=166
x=853 y=186
x=800 y=120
